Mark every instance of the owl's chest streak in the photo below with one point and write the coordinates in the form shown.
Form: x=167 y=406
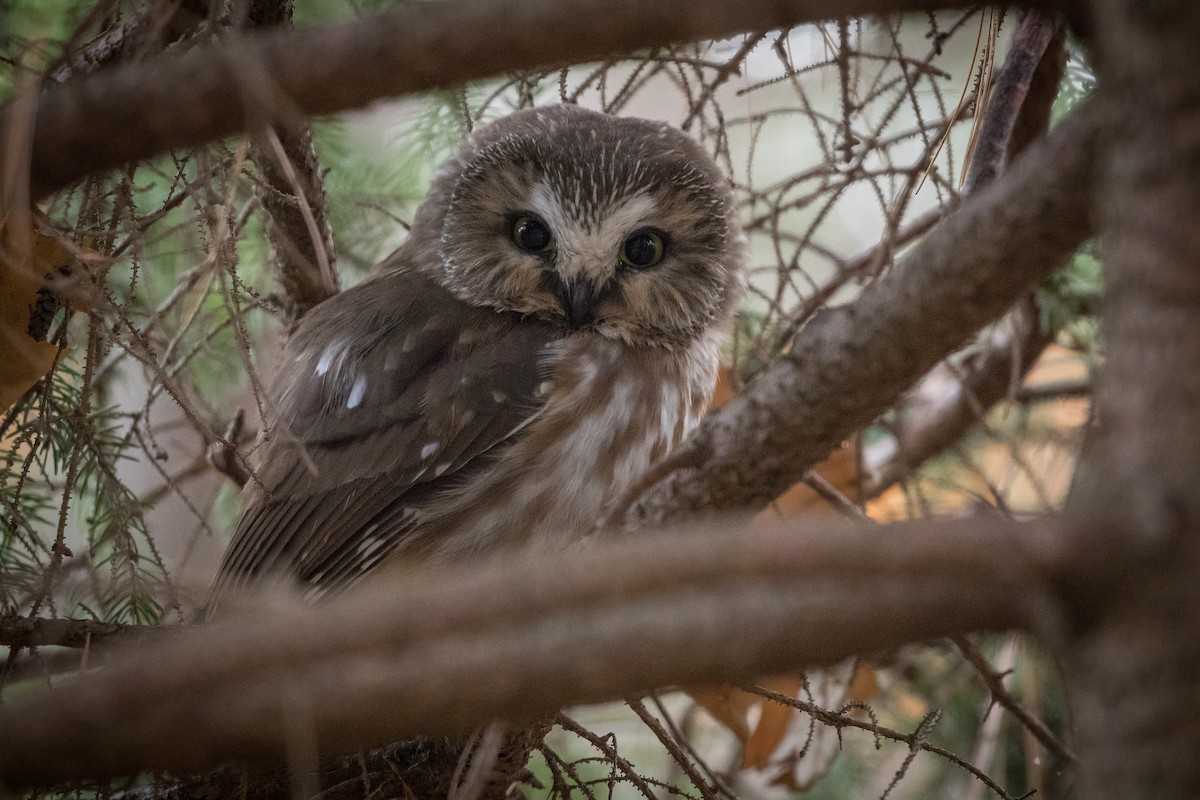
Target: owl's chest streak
x=609 y=415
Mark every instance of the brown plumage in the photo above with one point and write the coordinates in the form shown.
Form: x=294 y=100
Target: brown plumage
x=549 y=330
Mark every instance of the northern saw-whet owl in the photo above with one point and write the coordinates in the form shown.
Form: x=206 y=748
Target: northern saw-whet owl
x=549 y=330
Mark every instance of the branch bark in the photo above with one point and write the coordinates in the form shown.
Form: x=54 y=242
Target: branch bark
x=141 y=34
x=1018 y=110
x=441 y=653
x=293 y=197
x=124 y=114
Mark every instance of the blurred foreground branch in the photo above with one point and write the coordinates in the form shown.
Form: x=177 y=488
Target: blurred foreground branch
x=440 y=653
x=137 y=111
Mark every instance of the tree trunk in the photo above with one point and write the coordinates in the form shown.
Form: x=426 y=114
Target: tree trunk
x=1135 y=662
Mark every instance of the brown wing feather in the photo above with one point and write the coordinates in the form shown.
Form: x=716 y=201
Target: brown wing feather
x=386 y=395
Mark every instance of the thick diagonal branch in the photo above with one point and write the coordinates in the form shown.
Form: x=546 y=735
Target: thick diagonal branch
x=442 y=652
x=134 y=112
x=851 y=363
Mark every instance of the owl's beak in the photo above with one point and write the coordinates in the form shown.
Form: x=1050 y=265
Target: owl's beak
x=578 y=301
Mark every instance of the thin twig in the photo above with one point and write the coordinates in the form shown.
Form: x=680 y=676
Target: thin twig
x=707 y=790
x=609 y=751
x=915 y=740
x=995 y=685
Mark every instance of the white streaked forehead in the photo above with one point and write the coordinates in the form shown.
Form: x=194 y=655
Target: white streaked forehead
x=591 y=246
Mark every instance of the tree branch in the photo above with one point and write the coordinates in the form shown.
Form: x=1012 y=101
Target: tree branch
x=293 y=197
x=851 y=363
x=1010 y=123
x=917 y=740
x=25 y=632
x=179 y=100
x=442 y=652
x=1000 y=695
x=140 y=34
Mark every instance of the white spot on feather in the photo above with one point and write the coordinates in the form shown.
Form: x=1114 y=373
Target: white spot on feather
x=428 y=450
x=369 y=545
x=357 y=391
x=668 y=410
x=327 y=357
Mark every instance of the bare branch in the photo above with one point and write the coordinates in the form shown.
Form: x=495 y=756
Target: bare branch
x=142 y=33
x=133 y=112
x=442 y=652
x=687 y=762
x=851 y=363
x=1056 y=390
x=917 y=740
x=299 y=231
x=609 y=750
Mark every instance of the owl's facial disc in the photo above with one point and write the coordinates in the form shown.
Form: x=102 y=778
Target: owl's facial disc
x=589 y=251
x=622 y=227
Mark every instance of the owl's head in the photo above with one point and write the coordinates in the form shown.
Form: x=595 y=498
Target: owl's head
x=621 y=227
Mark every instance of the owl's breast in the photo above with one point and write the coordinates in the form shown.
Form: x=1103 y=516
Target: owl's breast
x=611 y=412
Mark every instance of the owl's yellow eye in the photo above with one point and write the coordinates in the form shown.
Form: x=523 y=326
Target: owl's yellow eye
x=531 y=234
x=643 y=248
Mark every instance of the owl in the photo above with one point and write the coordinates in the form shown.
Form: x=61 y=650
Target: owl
x=548 y=331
